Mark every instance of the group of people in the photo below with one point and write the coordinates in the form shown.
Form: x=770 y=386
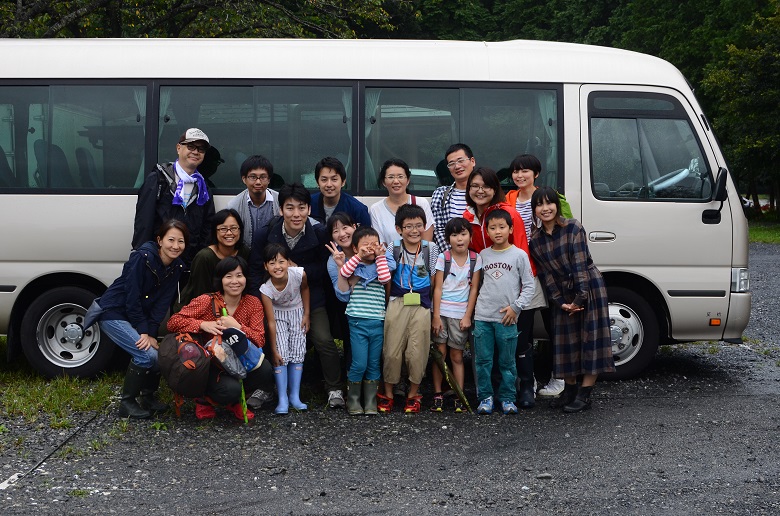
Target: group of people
x=473 y=264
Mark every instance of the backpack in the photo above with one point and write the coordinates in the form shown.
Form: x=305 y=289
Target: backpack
x=448 y=263
x=426 y=249
x=185 y=364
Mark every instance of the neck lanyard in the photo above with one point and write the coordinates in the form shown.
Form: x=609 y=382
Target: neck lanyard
x=411 y=269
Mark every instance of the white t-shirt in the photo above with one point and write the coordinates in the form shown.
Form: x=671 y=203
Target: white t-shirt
x=455 y=287
x=383 y=220
x=290 y=297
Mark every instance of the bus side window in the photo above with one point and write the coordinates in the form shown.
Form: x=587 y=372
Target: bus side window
x=418 y=124
x=293 y=126
x=643 y=148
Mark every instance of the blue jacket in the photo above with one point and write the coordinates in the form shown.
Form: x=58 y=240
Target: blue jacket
x=310 y=253
x=348 y=204
x=144 y=291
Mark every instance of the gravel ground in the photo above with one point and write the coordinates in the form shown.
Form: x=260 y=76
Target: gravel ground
x=764 y=325
x=694 y=434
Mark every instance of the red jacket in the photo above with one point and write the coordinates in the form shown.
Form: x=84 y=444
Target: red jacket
x=480 y=239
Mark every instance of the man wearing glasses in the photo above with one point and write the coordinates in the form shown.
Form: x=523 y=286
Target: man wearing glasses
x=258 y=204
x=448 y=202
x=177 y=191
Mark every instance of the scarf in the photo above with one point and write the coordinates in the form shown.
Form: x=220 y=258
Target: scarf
x=184 y=177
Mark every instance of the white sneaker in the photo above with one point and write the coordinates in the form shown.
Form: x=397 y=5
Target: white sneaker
x=553 y=388
x=336 y=399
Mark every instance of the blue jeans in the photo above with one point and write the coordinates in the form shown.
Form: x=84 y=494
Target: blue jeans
x=124 y=335
x=489 y=336
x=366 y=337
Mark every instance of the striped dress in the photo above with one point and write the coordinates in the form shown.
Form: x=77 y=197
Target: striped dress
x=581 y=342
x=288 y=313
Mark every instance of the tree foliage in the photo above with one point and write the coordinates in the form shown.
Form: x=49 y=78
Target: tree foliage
x=190 y=18
x=747 y=88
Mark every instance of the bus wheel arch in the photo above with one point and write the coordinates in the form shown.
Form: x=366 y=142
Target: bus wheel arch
x=636 y=327
x=51 y=332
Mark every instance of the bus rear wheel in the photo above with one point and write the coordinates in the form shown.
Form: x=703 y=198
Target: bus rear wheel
x=54 y=339
x=634 y=332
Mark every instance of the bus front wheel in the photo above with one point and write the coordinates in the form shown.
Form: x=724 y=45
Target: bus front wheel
x=54 y=339
x=633 y=328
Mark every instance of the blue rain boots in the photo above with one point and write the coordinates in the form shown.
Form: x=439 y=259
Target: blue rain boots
x=280 y=374
x=294 y=374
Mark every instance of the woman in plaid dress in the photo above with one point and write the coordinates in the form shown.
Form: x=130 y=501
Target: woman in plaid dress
x=578 y=299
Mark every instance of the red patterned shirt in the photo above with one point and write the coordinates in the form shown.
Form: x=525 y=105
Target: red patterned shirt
x=249 y=315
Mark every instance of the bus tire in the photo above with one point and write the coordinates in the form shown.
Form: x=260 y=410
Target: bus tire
x=54 y=340
x=634 y=332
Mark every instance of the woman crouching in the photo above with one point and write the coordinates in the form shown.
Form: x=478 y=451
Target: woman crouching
x=227 y=310
x=131 y=310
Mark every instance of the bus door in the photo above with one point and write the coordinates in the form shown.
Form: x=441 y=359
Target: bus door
x=646 y=192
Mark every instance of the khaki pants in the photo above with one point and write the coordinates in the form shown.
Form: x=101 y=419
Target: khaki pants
x=407 y=338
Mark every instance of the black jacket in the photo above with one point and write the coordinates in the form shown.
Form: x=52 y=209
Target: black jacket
x=155 y=205
x=310 y=253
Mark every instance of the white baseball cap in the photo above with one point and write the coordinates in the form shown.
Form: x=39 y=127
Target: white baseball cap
x=193 y=134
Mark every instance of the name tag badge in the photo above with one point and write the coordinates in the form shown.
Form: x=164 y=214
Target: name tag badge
x=412 y=299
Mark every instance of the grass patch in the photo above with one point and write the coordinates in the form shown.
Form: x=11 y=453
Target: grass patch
x=30 y=396
x=120 y=427
x=25 y=393
x=159 y=426
x=765 y=228
x=79 y=493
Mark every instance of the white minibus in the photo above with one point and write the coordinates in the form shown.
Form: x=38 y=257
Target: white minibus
x=620 y=133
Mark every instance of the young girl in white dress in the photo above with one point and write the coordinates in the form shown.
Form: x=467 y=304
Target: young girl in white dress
x=285 y=299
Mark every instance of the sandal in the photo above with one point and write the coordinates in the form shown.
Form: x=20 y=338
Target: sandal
x=413 y=405
x=459 y=407
x=203 y=411
x=238 y=412
x=438 y=403
x=384 y=404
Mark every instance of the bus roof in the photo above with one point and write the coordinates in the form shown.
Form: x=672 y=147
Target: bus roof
x=510 y=61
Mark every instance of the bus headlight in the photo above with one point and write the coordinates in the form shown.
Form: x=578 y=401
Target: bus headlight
x=740 y=279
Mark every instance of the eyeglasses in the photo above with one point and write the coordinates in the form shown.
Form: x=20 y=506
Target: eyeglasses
x=192 y=147
x=459 y=161
x=225 y=230
x=484 y=188
x=395 y=178
x=417 y=227
x=253 y=178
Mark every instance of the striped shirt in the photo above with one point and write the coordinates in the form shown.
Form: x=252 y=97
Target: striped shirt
x=367 y=300
x=524 y=209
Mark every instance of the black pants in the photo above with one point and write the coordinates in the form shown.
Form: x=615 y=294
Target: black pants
x=226 y=390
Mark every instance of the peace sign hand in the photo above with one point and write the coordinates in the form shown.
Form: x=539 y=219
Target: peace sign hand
x=338 y=255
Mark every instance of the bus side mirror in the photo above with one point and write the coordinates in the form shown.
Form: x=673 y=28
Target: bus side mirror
x=719 y=194
x=720 y=185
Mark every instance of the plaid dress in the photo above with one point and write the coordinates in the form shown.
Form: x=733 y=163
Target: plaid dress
x=581 y=342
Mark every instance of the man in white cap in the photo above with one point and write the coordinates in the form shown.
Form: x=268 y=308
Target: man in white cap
x=177 y=191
